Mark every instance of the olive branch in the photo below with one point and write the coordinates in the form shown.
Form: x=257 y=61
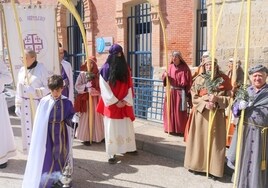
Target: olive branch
x=90 y=76
x=211 y=85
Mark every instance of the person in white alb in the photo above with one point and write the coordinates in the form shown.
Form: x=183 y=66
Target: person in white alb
x=31 y=87
x=67 y=76
x=7 y=144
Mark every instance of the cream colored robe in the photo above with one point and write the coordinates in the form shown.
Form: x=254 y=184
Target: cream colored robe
x=196 y=145
x=7 y=144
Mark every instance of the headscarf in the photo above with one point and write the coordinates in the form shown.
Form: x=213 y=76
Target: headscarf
x=225 y=85
x=114 y=49
x=94 y=70
x=179 y=55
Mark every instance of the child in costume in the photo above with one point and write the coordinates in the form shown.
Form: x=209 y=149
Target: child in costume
x=50 y=146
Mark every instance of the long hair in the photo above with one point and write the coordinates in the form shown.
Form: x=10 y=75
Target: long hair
x=118 y=69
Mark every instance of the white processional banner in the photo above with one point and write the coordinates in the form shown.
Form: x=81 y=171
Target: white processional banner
x=38 y=30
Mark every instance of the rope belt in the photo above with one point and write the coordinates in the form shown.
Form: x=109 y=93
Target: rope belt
x=28 y=98
x=54 y=122
x=176 y=88
x=263 y=138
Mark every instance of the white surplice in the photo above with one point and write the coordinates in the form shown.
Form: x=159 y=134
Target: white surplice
x=7 y=144
x=38 y=149
x=38 y=77
x=35 y=161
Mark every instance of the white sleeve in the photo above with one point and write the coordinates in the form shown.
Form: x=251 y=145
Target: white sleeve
x=106 y=93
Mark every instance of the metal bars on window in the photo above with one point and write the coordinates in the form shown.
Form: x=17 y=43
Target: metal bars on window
x=201 y=30
x=139 y=29
x=75 y=42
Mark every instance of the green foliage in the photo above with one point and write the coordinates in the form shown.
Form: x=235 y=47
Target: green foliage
x=242 y=93
x=90 y=76
x=210 y=85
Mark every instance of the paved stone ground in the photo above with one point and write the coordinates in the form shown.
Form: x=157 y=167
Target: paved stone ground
x=159 y=164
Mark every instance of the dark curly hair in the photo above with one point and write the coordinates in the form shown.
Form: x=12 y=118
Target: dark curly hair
x=118 y=70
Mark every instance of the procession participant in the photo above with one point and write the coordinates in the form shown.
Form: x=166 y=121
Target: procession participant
x=31 y=87
x=49 y=150
x=237 y=80
x=200 y=68
x=208 y=95
x=7 y=145
x=87 y=83
x=67 y=75
x=180 y=79
x=252 y=169
x=116 y=104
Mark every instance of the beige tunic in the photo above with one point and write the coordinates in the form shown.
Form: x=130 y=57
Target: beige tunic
x=196 y=146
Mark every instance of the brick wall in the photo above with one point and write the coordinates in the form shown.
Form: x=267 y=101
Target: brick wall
x=180 y=27
x=109 y=19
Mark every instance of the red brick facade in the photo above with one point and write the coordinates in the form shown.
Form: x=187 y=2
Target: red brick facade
x=109 y=19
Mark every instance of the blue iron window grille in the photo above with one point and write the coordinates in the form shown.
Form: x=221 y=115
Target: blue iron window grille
x=75 y=42
x=201 y=30
x=139 y=57
x=148 y=100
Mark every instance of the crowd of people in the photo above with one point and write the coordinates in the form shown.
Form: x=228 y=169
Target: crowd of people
x=51 y=116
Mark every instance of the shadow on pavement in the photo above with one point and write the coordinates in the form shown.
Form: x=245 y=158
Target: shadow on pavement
x=89 y=173
x=15 y=166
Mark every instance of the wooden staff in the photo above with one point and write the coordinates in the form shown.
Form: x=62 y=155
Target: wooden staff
x=212 y=113
x=240 y=127
x=234 y=72
x=70 y=6
x=6 y=39
x=166 y=61
x=24 y=58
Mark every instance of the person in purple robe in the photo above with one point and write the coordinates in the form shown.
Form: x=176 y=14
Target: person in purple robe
x=67 y=76
x=253 y=164
x=180 y=79
x=51 y=138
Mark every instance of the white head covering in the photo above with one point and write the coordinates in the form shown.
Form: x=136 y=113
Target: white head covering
x=206 y=54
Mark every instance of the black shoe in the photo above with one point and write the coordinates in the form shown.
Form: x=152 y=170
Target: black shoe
x=86 y=143
x=194 y=172
x=112 y=160
x=215 y=178
x=4 y=165
x=133 y=152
